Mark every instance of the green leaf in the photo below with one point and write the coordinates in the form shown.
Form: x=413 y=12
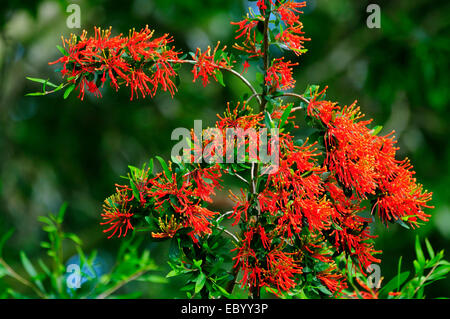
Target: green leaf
x=42 y=81
x=268 y=120
x=69 y=90
x=153 y=279
x=419 y=252
x=429 y=248
x=402 y=223
x=30 y=269
x=4 y=239
x=396 y=282
x=219 y=77
x=285 y=115
x=164 y=167
x=173 y=273
x=376 y=129
x=74 y=238
x=62 y=50
x=200 y=282
x=62 y=212
x=35 y=94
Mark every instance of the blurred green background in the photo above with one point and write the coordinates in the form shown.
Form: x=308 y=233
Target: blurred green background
x=54 y=150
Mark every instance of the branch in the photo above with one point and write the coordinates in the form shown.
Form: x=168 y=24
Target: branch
x=122 y=283
x=242 y=78
x=425 y=279
x=20 y=279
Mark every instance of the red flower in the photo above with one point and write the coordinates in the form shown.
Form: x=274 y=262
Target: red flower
x=281 y=270
x=289 y=11
x=402 y=198
x=207 y=66
x=241 y=206
x=333 y=280
x=207 y=181
x=116 y=212
x=136 y=61
x=279 y=74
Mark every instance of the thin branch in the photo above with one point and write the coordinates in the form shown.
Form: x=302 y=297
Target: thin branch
x=301 y=97
x=241 y=178
x=20 y=279
x=122 y=283
x=242 y=78
x=425 y=279
x=229 y=233
x=225 y=214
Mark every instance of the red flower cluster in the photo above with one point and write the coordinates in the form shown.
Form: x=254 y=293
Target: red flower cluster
x=247 y=29
x=139 y=61
x=366 y=163
x=207 y=64
x=279 y=74
x=180 y=198
x=265 y=266
x=292 y=35
x=117 y=212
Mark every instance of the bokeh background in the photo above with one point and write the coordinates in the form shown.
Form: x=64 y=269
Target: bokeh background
x=54 y=150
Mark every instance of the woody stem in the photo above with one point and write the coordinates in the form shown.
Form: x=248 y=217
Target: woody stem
x=255 y=290
x=265 y=54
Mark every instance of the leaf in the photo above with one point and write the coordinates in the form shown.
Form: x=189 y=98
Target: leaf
x=164 y=167
x=429 y=248
x=376 y=129
x=62 y=212
x=74 y=238
x=174 y=249
x=285 y=116
x=200 y=282
x=268 y=120
x=153 y=279
x=396 y=282
x=35 y=94
x=219 y=77
x=173 y=273
x=62 y=50
x=69 y=90
x=4 y=239
x=30 y=269
x=42 y=81
x=402 y=223
x=419 y=252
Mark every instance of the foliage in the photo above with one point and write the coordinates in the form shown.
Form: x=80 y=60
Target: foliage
x=54 y=278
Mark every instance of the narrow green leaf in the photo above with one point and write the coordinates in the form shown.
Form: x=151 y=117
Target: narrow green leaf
x=200 y=282
x=164 y=167
x=62 y=212
x=285 y=115
x=30 y=269
x=62 y=50
x=4 y=239
x=419 y=252
x=42 y=81
x=69 y=90
x=429 y=248
x=396 y=282
x=219 y=77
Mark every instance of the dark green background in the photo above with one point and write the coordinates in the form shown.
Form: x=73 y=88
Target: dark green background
x=54 y=150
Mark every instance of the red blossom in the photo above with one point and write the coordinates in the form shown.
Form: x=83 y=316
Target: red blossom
x=140 y=61
x=279 y=74
x=206 y=64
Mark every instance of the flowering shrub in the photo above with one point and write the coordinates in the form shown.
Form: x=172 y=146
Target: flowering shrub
x=301 y=226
